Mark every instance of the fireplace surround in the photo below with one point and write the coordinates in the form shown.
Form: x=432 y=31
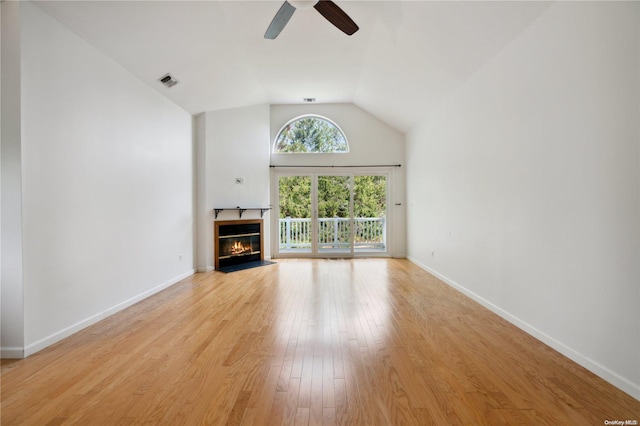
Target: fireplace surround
x=237 y=242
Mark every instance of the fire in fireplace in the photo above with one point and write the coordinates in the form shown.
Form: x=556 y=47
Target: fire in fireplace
x=237 y=242
x=238 y=248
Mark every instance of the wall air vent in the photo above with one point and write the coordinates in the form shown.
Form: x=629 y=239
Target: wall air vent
x=168 y=80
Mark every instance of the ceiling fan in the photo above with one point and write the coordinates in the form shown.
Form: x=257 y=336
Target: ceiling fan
x=327 y=8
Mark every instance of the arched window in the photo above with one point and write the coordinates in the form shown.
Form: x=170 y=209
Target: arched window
x=310 y=134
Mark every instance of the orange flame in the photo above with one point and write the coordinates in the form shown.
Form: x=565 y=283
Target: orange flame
x=239 y=248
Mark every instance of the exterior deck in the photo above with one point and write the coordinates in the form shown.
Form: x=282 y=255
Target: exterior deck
x=334 y=234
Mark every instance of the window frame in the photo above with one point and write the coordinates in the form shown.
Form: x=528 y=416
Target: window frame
x=302 y=117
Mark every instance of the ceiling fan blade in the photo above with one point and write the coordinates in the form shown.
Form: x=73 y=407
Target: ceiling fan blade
x=280 y=20
x=336 y=16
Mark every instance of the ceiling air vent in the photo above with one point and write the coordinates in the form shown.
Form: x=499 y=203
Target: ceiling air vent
x=168 y=81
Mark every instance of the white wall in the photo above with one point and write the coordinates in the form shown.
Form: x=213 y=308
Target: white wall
x=107 y=181
x=234 y=143
x=371 y=143
x=526 y=185
x=12 y=306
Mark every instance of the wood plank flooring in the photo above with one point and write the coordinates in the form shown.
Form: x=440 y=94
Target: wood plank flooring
x=319 y=342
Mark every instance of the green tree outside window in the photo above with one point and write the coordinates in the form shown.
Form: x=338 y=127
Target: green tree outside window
x=311 y=134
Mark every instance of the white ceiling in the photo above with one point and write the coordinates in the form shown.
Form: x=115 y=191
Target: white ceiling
x=407 y=56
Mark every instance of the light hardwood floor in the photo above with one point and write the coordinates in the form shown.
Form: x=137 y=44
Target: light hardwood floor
x=351 y=342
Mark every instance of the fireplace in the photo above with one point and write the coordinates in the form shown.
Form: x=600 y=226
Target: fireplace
x=238 y=242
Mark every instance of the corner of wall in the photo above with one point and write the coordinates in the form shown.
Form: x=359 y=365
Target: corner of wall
x=12 y=287
x=200 y=190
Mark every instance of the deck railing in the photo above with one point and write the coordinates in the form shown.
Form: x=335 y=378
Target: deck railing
x=333 y=233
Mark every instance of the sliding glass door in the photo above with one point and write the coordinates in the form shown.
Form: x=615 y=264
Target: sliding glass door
x=295 y=208
x=370 y=213
x=327 y=215
x=334 y=214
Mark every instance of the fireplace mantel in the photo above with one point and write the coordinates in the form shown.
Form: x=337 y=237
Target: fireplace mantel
x=240 y=210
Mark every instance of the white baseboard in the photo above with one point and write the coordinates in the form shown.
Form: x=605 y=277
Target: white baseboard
x=56 y=337
x=596 y=368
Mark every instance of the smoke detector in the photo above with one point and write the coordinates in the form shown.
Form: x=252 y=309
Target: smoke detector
x=168 y=80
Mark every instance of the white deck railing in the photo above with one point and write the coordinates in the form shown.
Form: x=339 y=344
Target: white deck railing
x=333 y=233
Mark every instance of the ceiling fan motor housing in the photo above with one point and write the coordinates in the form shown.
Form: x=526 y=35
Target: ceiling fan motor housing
x=303 y=4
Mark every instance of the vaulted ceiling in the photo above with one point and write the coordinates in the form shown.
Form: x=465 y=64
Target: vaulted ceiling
x=405 y=59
